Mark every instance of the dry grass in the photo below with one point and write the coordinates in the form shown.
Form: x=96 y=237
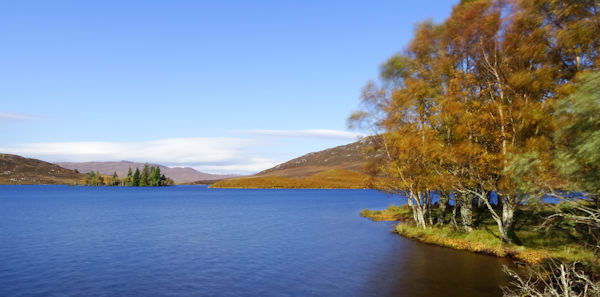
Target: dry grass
x=536 y=244
x=392 y=213
x=330 y=179
x=17 y=170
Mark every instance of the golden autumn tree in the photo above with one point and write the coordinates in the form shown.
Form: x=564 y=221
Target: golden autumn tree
x=532 y=60
x=467 y=105
x=405 y=108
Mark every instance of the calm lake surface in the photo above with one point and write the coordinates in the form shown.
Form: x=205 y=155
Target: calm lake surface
x=195 y=241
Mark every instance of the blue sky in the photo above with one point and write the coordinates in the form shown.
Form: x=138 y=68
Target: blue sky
x=222 y=86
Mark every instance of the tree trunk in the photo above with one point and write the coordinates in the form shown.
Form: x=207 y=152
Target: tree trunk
x=454 y=210
x=466 y=212
x=429 y=217
x=503 y=232
x=508 y=215
x=505 y=221
x=420 y=217
x=421 y=210
x=413 y=207
x=442 y=205
x=480 y=203
x=418 y=207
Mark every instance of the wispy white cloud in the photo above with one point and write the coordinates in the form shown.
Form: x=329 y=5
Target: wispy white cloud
x=217 y=154
x=251 y=165
x=309 y=133
x=11 y=116
x=208 y=154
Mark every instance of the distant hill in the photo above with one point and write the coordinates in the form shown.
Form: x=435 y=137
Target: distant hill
x=19 y=170
x=178 y=174
x=329 y=179
x=338 y=167
x=349 y=157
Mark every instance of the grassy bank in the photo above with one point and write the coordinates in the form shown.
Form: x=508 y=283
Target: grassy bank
x=330 y=179
x=392 y=213
x=535 y=244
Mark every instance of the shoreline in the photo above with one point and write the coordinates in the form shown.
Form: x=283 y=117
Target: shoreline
x=287 y=188
x=192 y=185
x=525 y=255
x=484 y=241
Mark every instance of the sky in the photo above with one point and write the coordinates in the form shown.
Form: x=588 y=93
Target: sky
x=220 y=86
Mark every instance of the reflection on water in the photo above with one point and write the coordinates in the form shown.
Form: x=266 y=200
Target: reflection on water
x=194 y=241
x=414 y=269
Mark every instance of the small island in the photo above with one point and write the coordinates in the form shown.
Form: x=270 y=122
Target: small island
x=150 y=176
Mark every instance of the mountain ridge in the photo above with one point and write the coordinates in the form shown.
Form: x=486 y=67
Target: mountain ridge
x=349 y=157
x=338 y=167
x=178 y=174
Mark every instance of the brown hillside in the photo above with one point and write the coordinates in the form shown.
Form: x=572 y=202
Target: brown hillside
x=18 y=170
x=340 y=167
x=330 y=179
x=348 y=157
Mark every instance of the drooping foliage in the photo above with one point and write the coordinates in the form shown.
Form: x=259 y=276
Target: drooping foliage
x=578 y=136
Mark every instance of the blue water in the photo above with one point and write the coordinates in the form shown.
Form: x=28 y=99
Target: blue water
x=195 y=241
